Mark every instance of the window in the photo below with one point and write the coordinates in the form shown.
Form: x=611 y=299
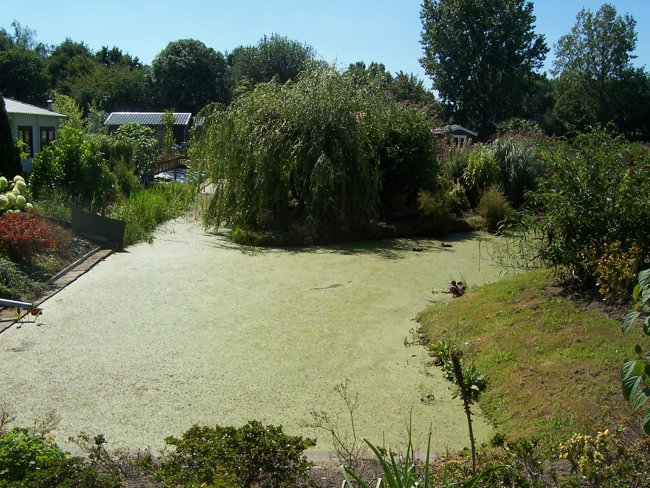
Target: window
x=47 y=136
x=26 y=135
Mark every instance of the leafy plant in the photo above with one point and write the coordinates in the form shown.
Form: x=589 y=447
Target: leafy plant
x=407 y=472
x=482 y=171
x=594 y=193
x=606 y=459
x=15 y=284
x=635 y=372
x=24 y=235
x=74 y=166
x=493 y=208
x=143 y=142
x=23 y=453
x=146 y=208
x=253 y=455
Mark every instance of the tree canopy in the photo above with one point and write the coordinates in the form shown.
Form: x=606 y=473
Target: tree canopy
x=597 y=83
x=9 y=160
x=189 y=75
x=274 y=56
x=482 y=57
x=314 y=154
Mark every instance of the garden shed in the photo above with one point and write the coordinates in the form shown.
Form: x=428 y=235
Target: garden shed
x=154 y=120
x=34 y=126
x=457 y=135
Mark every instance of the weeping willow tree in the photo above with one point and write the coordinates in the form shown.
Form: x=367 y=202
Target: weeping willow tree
x=303 y=154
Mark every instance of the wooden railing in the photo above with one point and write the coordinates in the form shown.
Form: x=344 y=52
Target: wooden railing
x=169 y=164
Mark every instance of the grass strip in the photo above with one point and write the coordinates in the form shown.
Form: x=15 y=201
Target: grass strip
x=553 y=364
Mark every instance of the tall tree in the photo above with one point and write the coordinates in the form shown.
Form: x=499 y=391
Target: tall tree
x=9 y=159
x=69 y=62
x=189 y=75
x=274 y=56
x=23 y=76
x=481 y=56
x=597 y=83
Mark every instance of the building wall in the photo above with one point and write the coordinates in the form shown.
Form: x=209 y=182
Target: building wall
x=37 y=123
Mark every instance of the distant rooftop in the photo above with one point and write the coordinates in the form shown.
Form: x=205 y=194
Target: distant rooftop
x=15 y=107
x=448 y=129
x=146 y=118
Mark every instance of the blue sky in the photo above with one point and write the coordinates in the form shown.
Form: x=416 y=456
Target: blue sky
x=341 y=31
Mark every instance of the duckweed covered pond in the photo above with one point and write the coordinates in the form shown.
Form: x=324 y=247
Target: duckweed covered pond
x=194 y=329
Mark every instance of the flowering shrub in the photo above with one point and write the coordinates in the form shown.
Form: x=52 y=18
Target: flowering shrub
x=23 y=235
x=12 y=198
x=606 y=459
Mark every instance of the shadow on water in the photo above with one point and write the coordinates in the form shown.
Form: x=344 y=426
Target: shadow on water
x=397 y=248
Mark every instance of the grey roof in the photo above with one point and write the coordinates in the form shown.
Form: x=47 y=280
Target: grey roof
x=146 y=118
x=15 y=107
x=452 y=128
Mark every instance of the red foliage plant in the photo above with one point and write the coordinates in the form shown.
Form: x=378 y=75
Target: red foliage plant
x=23 y=235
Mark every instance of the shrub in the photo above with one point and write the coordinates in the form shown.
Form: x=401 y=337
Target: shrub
x=606 y=459
x=453 y=161
x=594 y=193
x=481 y=172
x=23 y=455
x=148 y=207
x=519 y=166
x=434 y=207
x=251 y=455
x=24 y=235
x=143 y=143
x=73 y=166
x=16 y=285
x=407 y=155
x=494 y=208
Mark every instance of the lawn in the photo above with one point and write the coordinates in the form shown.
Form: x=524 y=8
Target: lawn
x=553 y=363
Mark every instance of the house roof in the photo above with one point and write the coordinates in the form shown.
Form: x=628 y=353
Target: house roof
x=15 y=107
x=447 y=129
x=146 y=118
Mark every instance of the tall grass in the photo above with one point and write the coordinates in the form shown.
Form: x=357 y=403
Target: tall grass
x=147 y=208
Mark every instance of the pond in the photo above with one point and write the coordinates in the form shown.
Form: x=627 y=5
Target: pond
x=195 y=329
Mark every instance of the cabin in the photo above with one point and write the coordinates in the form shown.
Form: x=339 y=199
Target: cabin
x=155 y=121
x=456 y=135
x=35 y=126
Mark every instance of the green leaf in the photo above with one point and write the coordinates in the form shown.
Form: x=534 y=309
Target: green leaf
x=644 y=277
x=646 y=326
x=629 y=320
x=631 y=379
x=636 y=292
x=646 y=422
x=639 y=399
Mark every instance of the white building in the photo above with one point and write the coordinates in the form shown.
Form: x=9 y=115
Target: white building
x=33 y=125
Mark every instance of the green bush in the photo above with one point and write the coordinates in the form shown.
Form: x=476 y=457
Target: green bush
x=16 y=285
x=407 y=156
x=595 y=194
x=323 y=151
x=145 y=209
x=453 y=161
x=435 y=211
x=143 y=145
x=253 y=455
x=493 y=208
x=519 y=166
x=73 y=166
x=482 y=171
x=24 y=455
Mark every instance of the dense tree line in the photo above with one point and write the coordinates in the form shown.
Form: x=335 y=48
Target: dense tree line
x=484 y=60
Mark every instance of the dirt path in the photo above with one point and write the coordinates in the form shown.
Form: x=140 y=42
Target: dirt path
x=193 y=329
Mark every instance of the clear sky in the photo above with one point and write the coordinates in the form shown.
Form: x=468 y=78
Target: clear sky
x=341 y=31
